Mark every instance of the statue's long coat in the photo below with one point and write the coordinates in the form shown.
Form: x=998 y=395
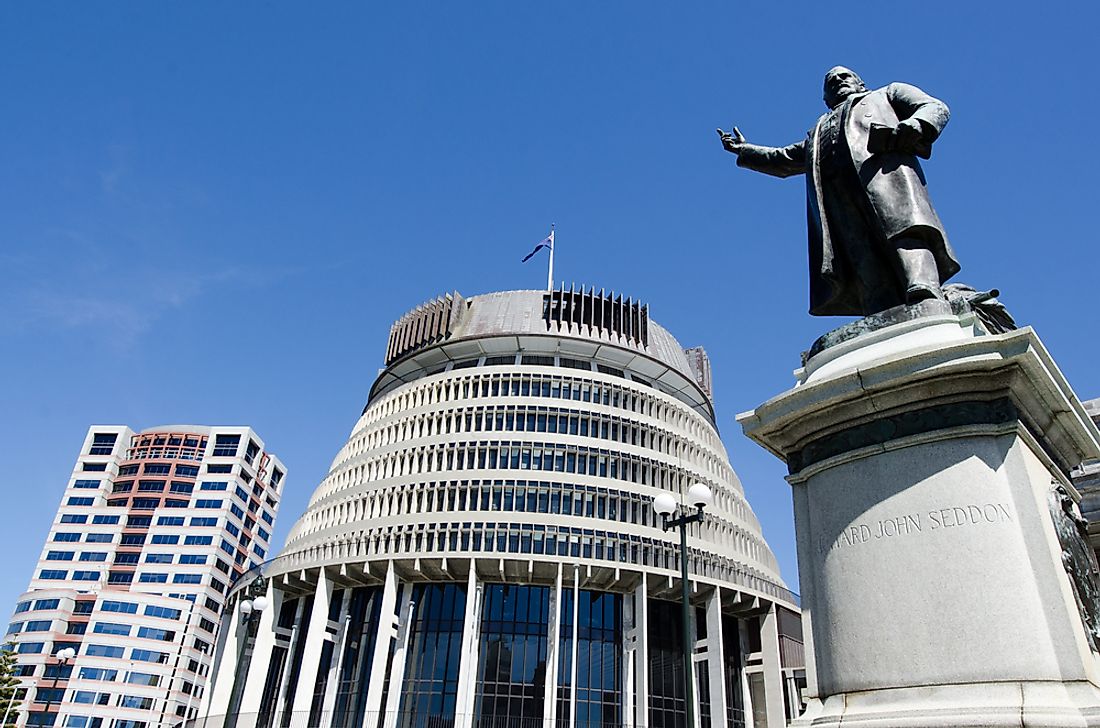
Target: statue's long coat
x=892 y=183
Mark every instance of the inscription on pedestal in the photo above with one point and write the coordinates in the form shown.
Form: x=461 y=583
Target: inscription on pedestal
x=913 y=524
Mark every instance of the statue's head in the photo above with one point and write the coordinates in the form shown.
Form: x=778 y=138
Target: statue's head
x=840 y=83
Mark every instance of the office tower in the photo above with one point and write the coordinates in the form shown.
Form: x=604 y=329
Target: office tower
x=699 y=363
x=152 y=530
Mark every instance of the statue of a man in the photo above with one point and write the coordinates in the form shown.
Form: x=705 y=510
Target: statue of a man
x=875 y=241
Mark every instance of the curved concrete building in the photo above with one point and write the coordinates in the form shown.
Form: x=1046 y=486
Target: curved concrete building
x=483 y=550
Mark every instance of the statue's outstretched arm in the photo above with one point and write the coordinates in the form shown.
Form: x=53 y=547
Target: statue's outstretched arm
x=777 y=161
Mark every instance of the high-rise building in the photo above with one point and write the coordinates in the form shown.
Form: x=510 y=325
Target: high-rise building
x=699 y=362
x=152 y=530
x=484 y=551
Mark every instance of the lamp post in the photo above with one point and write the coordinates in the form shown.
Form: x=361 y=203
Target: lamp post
x=253 y=603
x=63 y=657
x=700 y=497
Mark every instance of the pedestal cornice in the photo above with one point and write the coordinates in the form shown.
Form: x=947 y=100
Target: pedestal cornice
x=981 y=379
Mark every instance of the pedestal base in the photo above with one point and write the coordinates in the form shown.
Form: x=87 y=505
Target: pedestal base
x=991 y=705
x=934 y=588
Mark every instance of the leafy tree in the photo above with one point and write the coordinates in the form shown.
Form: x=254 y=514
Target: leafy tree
x=10 y=693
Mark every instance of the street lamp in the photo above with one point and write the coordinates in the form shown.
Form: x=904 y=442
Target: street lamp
x=250 y=606
x=699 y=496
x=63 y=657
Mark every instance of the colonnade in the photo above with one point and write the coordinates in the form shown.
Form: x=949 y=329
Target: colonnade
x=295 y=702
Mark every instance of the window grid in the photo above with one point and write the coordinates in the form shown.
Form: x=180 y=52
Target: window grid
x=430 y=686
x=512 y=654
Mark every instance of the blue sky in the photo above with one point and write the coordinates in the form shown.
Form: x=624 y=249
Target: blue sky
x=211 y=213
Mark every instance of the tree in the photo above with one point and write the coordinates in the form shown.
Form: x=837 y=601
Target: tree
x=10 y=692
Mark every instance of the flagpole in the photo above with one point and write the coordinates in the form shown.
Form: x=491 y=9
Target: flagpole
x=550 y=272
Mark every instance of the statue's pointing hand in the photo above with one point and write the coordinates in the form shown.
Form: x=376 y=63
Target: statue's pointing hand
x=733 y=142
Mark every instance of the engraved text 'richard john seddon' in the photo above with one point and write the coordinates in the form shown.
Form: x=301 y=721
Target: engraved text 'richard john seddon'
x=911 y=524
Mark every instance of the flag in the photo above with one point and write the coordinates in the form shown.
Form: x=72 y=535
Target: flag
x=547 y=242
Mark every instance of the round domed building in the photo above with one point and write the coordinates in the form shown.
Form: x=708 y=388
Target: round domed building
x=484 y=550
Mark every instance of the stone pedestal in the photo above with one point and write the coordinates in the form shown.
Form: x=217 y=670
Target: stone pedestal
x=922 y=453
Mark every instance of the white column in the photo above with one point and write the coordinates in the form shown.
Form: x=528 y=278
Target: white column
x=629 y=662
x=215 y=699
x=397 y=670
x=773 y=669
x=630 y=658
x=252 y=694
x=716 y=662
x=641 y=653
x=692 y=644
x=553 y=632
x=311 y=652
x=574 y=648
x=383 y=641
x=471 y=637
x=332 y=684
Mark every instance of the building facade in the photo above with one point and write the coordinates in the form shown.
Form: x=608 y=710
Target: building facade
x=484 y=552
x=153 y=528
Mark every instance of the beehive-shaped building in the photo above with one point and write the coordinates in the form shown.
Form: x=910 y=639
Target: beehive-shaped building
x=484 y=551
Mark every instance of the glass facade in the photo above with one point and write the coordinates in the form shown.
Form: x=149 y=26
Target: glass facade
x=565 y=659
x=271 y=687
x=731 y=662
x=702 y=680
x=430 y=688
x=599 y=673
x=305 y=611
x=599 y=659
x=362 y=625
x=521 y=632
x=513 y=654
x=666 y=665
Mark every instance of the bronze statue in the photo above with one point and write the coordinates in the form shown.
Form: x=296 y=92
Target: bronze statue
x=1078 y=558
x=875 y=241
